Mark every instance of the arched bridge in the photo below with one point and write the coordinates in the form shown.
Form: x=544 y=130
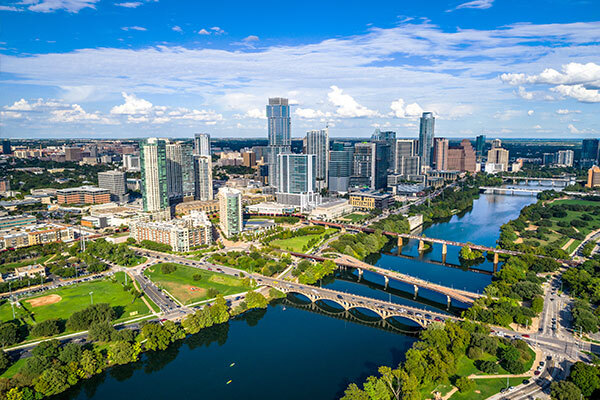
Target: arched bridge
x=349 y=301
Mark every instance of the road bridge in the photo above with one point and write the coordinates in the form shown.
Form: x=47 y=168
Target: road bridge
x=423 y=240
x=510 y=191
x=564 y=180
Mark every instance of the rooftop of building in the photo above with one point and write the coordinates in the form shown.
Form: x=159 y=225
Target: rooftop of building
x=82 y=189
x=371 y=193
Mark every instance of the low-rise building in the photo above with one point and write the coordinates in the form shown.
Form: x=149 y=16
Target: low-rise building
x=83 y=195
x=209 y=207
x=35 y=234
x=181 y=234
x=331 y=210
x=271 y=208
x=371 y=200
x=30 y=271
x=12 y=221
x=94 y=222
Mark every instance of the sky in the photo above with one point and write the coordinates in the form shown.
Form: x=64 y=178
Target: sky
x=172 y=68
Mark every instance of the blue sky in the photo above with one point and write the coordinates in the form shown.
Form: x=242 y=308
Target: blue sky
x=99 y=68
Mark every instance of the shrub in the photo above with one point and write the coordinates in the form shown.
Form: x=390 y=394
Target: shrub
x=168 y=268
x=197 y=277
x=465 y=384
x=49 y=327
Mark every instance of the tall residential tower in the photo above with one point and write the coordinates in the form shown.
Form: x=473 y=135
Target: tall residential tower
x=426 y=135
x=280 y=140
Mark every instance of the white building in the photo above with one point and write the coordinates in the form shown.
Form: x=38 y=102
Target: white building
x=131 y=162
x=317 y=143
x=297 y=181
x=564 y=158
x=331 y=210
x=181 y=234
x=230 y=211
x=203 y=177
x=202 y=144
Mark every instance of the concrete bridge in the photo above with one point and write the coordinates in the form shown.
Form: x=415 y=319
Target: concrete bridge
x=565 y=180
x=510 y=191
x=345 y=261
x=427 y=240
x=349 y=302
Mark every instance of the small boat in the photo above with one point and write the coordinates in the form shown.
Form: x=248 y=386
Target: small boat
x=228 y=382
x=232 y=364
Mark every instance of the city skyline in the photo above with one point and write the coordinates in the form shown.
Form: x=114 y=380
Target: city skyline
x=488 y=68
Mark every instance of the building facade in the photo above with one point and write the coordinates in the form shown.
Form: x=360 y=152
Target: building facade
x=203 y=177
x=83 y=195
x=131 y=162
x=317 y=143
x=463 y=157
x=230 y=211
x=499 y=156
x=564 y=158
x=279 y=133
x=426 y=135
x=370 y=200
x=590 y=153
x=440 y=152
x=340 y=166
x=115 y=183
x=153 y=159
x=202 y=144
x=593 y=180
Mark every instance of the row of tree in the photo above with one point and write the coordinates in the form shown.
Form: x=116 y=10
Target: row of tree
x=359 y=245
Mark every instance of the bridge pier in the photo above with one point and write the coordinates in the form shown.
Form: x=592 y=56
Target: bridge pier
x=416 y=290
x=444 y=249
x=400 y=244
x=449 y=300
x=360 y=273
x=421 y=245
x=387 y=281
x=496 y=260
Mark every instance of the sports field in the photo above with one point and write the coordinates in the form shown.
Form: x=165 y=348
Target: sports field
x=182 y=285
x=61 y=303
x=298 y=243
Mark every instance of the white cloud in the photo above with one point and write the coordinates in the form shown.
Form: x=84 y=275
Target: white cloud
x=134 y=28
x=309 y=113
x=478 y=4
x=72 y=6
x=572 y=129
x=579 y=93
x=507 y=114
x=129 y=4
x=10 y=8
x=75 y=114
x=564 y=111
x=20 y=105
x=10 y=114
x=132 y=106
x=530 y=112
x=347 y=106
x=177 y=28
x=251 y=38
x=409 y=111
x=203 y=32
x=537 y=127
x=525 y=94
x=572 y=74
x=217 y=30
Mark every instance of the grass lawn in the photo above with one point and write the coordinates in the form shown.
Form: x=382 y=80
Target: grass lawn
x=13 y=369
x=184 y=288
x=77 y=297
x=297 y=243
x=485 y=388
x=573 y=246
x=426 y=391
x=466 y=366
x=355 y=217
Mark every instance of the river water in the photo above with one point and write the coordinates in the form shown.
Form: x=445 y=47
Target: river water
x=294 y=350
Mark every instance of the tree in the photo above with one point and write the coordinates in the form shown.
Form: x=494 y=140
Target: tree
x=52 y=381
x=101 y=331
x=353 y=392
x=123 y=352
x=157 y=337
x=4 y=361
x=49 y=327
x=256 y=300
x=465 y=384
x=168 y=268
x=9 y=334
x=70 y=353
x=488 y=367
x=537 y=304
x=91 y=363
x=585 y=377
x=48 y=349
x=564 y=390
x=81 y=320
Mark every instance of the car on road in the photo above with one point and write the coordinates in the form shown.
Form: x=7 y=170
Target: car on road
x=526 y=382
x=537 y=373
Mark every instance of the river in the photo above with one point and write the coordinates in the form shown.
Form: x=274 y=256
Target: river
x=292 y=352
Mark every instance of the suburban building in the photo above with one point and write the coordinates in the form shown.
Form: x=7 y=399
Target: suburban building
x=30 y=271
x=181 y=234
x=370 y=200
x=83 y=195
x=12 y=221
x=35 y=234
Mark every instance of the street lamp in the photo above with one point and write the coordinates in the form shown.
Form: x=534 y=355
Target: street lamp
x=92 y=297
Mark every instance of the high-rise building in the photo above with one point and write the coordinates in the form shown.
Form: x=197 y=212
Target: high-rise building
x=249 y=158
x=340 y=166
x=463 y=157
x=280 y=140
x=565 y=158
x=404 y=149
x=153 y=159
x=390 y=138
x=131 y=162
x=6 y=148
x=203 y=177
x=202 y=144
x=496 y=144
x=498 y=156
x=548 y=159
x=370 y=165
x=116 y=183
x=230 y=211
x=426 y=135
x=479 y=147
x=174 y=156
x=590 y=153
x=188 y=172
x=73 y=154
x=297 y=182
x=409 y=166
x=440 y=152
x=317 y=143
x=593 y=179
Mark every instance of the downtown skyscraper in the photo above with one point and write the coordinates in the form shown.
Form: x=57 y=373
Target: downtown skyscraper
x=280 y=139
x=426 y=135
x=153 y=160
x=202 y=144
x=317 y=143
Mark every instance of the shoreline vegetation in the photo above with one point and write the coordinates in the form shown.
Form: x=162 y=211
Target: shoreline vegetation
x=54 y=367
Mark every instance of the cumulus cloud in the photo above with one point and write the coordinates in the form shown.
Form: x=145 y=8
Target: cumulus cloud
x=203 y=32
x=537 y=127
x=399 y=110
x=578 y=92
x=177 y=28
x=255 y=113
x=530 y=112
x=572 y=129
x=10 y=8
x=565 y=111
x=507 y=114
x=132 y=106
x=524 y=94
x=346 y=105
x=478 y=4
x=309 y=113
x=76 y=114
x=570 y=74
x=251 y=38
